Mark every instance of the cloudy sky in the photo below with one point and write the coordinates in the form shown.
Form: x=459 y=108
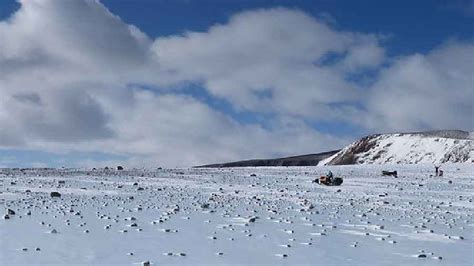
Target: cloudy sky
x=181 y=83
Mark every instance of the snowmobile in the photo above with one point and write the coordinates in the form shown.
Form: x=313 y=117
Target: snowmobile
x=328 y=181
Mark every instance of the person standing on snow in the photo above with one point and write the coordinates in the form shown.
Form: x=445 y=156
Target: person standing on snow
x=329 y=174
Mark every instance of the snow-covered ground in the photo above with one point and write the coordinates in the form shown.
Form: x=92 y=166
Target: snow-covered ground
x=229 y=216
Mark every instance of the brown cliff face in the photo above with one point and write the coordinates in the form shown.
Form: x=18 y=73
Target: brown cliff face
x=350 y=156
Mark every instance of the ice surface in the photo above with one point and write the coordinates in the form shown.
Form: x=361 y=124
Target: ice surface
x=227 y=216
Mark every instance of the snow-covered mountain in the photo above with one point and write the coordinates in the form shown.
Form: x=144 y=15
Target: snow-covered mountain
x=408 y=148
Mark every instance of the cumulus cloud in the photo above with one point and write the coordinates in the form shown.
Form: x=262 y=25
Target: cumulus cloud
x=429 y=91
x=279 y=53
x=178 y=130
x=70 y=37
x=66 y=84
x=183 y=130
x=74 y=77
x=63 y=116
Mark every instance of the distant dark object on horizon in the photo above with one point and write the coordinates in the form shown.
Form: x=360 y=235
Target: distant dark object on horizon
x=301 y=160
x=390 y=173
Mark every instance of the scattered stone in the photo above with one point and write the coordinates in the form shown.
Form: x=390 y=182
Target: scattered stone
x=55 y=194
x=252 y=219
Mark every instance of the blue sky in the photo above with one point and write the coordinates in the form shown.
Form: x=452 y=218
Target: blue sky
x=396 y=34
x=412 y=26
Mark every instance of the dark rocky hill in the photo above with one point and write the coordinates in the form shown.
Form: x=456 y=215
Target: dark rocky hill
x=301 y=160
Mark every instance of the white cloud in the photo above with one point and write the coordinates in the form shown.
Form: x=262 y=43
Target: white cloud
x=277 y=52
x=179 y=130
x=366 y=55
x=182 y=130
x=53 y=56
x=67 y=83
x=433 y=91
x=62 y=36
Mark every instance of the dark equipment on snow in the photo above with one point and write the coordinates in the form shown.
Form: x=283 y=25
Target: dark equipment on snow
x=390 y=173
x=55 y=194
x=328 y=181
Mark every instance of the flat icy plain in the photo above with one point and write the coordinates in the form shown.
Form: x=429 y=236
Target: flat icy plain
x=250 y=216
